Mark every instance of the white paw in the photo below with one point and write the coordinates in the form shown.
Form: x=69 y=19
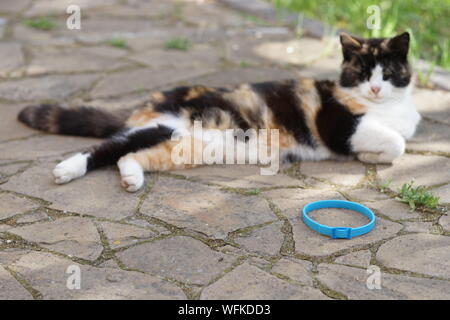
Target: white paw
x=132 y=183
x=70 y=169
x=132 y=174
x=370 y=157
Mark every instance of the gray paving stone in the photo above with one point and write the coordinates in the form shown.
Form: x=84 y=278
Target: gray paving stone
x=157 y=36
x=298 y=270
x=10 y=289
x=49 y=7
x=100 y=30
x=347 y=173
x=423 y=227
x=421 y=253
x=4 y=228
x=199 y=56
x=249 y=282
x=266 y=240
x=72 y=236
x=366 y=195
x=104 y=51
x=13 y=205
x=434 y=104
x=114 y=103
x=47 y=61
x=10 y=128
x=184 y=259
x=236 y=76
x=11 y=57
x=205 y=209
x=301 y=52
x=13 y=6
x=44 y=146
x=142 y=79
x=46 y=88
x=3 y=23
x=120 y=235
x=444 y=221
x=442 y=192
x=393 y=209
x=431 y=136
x=292 y=201
x=9 y=169
x=48 y=274
x=252 y=49
x=10 y=255
x=211 y=16
x=136 y=9
x=38 y=215
x=357 y=258
x=100 y=191
x=352 y=283
x=424 y=170
x=312 y=243
x=31 y=36
x=238 y=176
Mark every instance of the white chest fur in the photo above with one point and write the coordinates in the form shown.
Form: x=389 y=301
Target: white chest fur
x=400 y=116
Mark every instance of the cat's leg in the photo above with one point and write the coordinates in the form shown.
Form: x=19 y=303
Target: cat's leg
x=375 y=143
x=161 y=157
x=72 y=168
x=109 y=152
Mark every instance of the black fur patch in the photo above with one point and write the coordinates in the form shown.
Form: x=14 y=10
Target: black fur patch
x=109 y=152
x=199 y=106
x=334 y=122
x=281 y=98
x=40 y=117
x=88 y=122
x=80 y=121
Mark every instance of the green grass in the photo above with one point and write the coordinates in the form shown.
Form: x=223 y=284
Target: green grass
x=118 y=43
x=427 y=21
x=415 y=196
x=40 y=24
x=182 y=44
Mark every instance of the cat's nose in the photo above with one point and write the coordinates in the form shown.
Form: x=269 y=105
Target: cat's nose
x=375 y=89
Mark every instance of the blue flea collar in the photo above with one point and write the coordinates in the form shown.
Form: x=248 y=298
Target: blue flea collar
x=338 y=232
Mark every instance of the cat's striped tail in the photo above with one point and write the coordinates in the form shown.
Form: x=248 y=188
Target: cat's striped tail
x=80 y=121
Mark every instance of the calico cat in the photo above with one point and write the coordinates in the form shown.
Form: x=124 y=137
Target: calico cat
x=368 y=113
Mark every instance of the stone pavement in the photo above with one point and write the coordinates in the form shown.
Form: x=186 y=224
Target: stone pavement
x=213 y=232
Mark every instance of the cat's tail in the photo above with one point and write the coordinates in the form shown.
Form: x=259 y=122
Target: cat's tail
x=79 y=121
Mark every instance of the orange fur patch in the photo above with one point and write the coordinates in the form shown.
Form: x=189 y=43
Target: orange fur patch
x=157 y=97
x=349 y=102
x=196 y=92
x=159 y=158
x=310 y=104
x=142 y=117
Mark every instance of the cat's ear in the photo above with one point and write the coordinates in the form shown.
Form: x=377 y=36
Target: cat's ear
x=400 y=44
x=350 y=43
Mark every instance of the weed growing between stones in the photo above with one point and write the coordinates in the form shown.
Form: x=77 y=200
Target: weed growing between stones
x=415 y=196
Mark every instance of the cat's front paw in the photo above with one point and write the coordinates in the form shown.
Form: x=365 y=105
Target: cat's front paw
x=70 y=169
x=371 y=157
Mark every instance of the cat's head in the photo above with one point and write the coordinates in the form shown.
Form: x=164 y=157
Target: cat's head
x=376 y=69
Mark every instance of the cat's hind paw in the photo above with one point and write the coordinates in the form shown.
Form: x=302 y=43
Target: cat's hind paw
x=132 y=183
x=70 y=169
x=132 y=174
